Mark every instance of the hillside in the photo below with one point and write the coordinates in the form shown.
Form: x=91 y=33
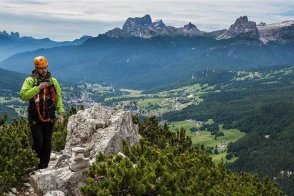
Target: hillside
x=13 y=43
x=151 y=62
x=11 y=81
x=10 y=84
x=259 y=103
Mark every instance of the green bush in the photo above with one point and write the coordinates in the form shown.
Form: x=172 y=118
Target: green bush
x=16 y=156
x=165 y=163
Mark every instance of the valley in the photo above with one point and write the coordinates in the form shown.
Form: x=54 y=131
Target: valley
x=143 y=105
x=165 y=101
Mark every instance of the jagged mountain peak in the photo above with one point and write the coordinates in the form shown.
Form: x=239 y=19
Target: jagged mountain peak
x=14 y=35
x=4 y=33
x=158 y=24
x=144 y=27
x=241 y=19
x=242 y=25
x=242 y=28
x=116 y=33
x=190 y=26
x=137 y=23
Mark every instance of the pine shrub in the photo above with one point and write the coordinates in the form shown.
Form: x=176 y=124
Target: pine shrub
x=165 y=163
x=17 y=158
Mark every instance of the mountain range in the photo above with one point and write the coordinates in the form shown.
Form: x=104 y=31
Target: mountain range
x=242 y=28
x=12 y=43
x=145 y=54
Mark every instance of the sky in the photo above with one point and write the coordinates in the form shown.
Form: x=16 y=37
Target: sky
x=62 y=20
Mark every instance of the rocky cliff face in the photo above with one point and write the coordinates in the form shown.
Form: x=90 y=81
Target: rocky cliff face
x=282 y=32
x=100 y=129
x=88 y=132
x=145 y=28
x=242 y=29
x=13 y=35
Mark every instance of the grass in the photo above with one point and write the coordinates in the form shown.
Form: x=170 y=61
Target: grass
x=205 y=137
x=185 y=124
x=243 y=75
x=217 y=158
x=164 y=101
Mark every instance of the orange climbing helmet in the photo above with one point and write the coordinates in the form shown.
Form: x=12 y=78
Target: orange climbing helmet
x=40 y=62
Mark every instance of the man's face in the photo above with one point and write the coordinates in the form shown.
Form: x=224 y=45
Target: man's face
x=42 y=72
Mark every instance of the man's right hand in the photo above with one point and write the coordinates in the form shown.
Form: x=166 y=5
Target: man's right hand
x=42 y=85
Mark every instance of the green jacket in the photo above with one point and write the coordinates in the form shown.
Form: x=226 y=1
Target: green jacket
x=29 y=90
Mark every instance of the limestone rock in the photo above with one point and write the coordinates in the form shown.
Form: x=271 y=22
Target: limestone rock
x=55 y=193
x=53 y=156
x=88 y=132
x=78 y=160
x=62 y=179
x=242 y=28
x=14 y=191
x=100 y=129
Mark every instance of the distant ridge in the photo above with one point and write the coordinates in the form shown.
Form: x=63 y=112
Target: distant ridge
x=143 y=27
x=13 y=43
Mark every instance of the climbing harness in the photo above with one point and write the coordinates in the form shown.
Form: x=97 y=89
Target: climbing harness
x=40 y=100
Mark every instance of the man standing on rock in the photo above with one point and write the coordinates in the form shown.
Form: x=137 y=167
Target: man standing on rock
x=44 y=95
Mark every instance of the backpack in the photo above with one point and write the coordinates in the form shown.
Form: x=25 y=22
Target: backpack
x=42 y=106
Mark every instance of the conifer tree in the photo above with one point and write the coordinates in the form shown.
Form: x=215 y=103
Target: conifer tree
x=17 y=158
x=165 y=163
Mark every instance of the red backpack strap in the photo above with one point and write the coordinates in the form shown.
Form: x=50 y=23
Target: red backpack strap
x=52 y=90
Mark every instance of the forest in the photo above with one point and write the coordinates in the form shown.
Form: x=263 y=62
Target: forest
x=265 y=110
x=156 y=165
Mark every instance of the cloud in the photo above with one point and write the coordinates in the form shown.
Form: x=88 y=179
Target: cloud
x=70 y=19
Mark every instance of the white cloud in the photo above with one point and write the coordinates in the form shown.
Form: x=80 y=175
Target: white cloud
x=70 y=19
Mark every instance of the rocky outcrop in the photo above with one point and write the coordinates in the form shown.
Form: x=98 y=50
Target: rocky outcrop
x=282 y=32
x=217 y=33
x=190 y=30
x=137 y=23
x=242 y=28
x=158 y=25
x=88 y=132
x=100 y=129
x=145 y=28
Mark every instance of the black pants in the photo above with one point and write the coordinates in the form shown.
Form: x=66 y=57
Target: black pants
x=42 y=135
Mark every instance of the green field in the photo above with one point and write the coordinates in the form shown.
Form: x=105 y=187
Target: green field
x=217 y=158
x=205 y=137
x=161 y=102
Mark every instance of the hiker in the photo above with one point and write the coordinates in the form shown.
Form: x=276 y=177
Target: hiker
x=44 y=95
